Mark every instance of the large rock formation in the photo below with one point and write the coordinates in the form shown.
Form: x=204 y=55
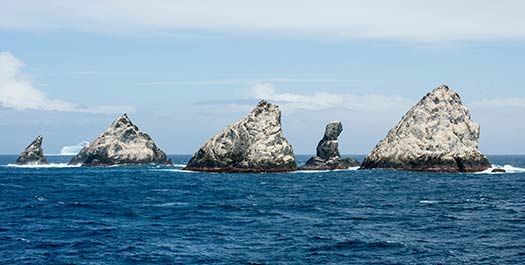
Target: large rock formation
x=328 y=157
x=33 y=154
x=254 y=144
x=121 y=143
x=437 y=134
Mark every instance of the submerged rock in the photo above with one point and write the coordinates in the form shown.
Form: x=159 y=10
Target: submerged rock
x=121 y=143
x=328 y=157
x=437 y=134
x=33 y=154
x=498 y=170
x=254 y=144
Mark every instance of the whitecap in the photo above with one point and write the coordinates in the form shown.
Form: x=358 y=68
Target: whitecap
x=168 y=204
x=428 y=201
x=507 y=168
x=52 y=165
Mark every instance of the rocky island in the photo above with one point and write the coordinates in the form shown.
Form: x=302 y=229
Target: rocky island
x=327 y=156
x=33 y=154
x=121 y=143
x=254 y=144
x=437 y=134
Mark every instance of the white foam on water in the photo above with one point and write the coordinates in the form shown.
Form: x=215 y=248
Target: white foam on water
x=52 y=165
x=179 y=165
x=507 y=168
x=428 y=201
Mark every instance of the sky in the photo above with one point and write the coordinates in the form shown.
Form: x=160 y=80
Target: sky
x=184 y=70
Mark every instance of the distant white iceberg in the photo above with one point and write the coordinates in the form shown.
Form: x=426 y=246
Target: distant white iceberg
x=73 y=149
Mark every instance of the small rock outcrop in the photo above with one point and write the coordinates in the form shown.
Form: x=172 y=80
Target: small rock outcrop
x=437 y=134
x=327 y=156
x=33 y=154
x=254 y=144
x=121 y=143
x=499 y=170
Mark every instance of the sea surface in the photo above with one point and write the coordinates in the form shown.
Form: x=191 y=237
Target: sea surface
x=163 y=215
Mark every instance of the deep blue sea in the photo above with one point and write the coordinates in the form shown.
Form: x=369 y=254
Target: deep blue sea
x=162 y=215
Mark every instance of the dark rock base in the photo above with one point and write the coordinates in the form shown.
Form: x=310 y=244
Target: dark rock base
x=317 y=163
x=432 y=164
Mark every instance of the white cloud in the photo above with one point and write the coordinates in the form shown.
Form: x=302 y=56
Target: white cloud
x=429 y=20
x=323 y=100
x=17 y=92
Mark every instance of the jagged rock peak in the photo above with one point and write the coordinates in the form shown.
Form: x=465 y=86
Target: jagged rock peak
x=436 y=134
x=254 y=144
x=327 y=156
x=33 y=154
x=121 y=143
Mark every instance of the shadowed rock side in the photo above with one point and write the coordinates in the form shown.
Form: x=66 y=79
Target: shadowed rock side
x=437 y=134
x=33 y=154
x=254 y=144
x=328 y=157
x=121 y=143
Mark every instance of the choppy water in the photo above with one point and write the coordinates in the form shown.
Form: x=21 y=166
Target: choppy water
x=163 y=215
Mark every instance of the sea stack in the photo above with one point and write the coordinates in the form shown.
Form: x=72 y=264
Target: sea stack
x=437 y=134
x=33 y=154
x=121 y=143
x=327 y=156
x=254 y=144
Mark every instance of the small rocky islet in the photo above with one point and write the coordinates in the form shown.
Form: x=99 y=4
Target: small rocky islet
x=121 y=144
x=437 y=134
x=33 y=154
x=327 y=152
x=254 y=144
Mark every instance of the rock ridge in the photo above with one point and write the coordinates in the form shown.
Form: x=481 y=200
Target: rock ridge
x=437 y=134
x=254 y=144
x=327 y=152
x=121 y=143
x=33 y=154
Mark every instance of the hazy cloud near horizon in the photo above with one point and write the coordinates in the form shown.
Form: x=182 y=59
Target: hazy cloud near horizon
x=410 y=20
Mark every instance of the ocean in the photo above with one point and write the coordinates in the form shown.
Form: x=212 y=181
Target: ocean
x=163 y=215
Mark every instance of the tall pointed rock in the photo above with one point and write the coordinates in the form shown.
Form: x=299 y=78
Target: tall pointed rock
x=33 y=154
x=437 y=134
x=121 y=143
x=327 y=156
x=254 y=144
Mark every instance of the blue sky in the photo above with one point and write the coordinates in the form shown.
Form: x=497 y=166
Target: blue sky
x=184 y=70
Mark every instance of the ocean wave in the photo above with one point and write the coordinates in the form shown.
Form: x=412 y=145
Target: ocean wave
x=507 y=168
x=52 y=165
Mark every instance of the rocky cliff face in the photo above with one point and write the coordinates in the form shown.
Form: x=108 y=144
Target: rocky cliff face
x=254 y=144
x=121 y=143
x=33 y=154
x=328 y=157
x=437 y=134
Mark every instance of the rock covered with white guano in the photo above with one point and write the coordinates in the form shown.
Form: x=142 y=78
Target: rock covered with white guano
x=33 y=154
x=254 y=144
x=437 y=134
x=121 y=143
x=327 y=156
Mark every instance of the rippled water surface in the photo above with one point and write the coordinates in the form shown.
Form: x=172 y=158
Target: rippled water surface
x=164 y=215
